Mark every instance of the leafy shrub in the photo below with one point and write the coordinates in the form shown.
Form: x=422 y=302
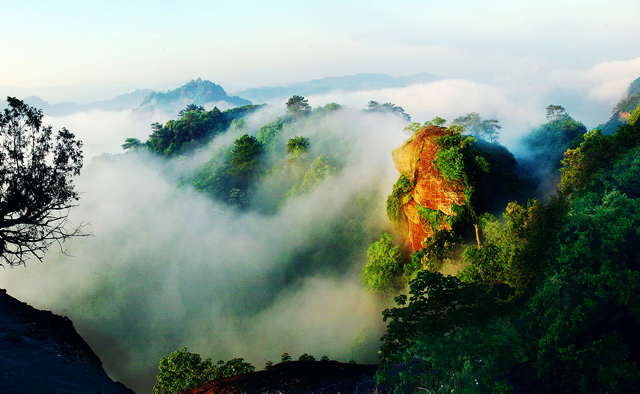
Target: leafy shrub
x=306 y=357
x=385 y=265
x=183 y=371
x=397 y=199
x=285 y=357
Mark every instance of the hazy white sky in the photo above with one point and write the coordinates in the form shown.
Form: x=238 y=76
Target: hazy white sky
x=161 y=44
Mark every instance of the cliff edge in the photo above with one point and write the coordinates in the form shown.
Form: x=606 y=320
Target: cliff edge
x=41 y=352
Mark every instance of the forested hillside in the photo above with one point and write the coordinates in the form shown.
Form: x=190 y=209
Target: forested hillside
x=546 y=300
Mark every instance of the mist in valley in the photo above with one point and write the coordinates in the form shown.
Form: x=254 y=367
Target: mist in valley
x=167 y=267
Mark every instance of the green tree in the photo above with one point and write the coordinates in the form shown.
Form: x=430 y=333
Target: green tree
x=285 y=357
x=298 y=105
x=437 y=121
x=471 y=123
x=232 y=367
x=374 y=106
x=131 y=143
x=298 y=145
x=189 y=108
x=556 y=113
x=306 y=357
x=412 y=127
x=489 y=129
x=319 y=170
x=434 y=338
x=331 y=107
x=384 y=269
x=36 y=189
x=581 y=319
x=182 y=371
x=244 y=157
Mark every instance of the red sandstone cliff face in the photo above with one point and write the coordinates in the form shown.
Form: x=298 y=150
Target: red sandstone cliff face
x=414 y=159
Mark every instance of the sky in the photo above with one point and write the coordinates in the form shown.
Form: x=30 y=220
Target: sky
x=95 y=50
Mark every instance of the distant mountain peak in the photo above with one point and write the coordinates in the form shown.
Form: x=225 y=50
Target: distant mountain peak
x=196 y=91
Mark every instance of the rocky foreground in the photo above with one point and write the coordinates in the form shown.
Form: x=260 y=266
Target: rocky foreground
x=300 y=377
x=41 y=352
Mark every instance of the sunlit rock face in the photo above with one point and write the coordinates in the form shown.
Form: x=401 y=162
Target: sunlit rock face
x=414 y=159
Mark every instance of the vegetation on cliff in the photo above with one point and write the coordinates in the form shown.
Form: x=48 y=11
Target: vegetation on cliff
x=546 y=301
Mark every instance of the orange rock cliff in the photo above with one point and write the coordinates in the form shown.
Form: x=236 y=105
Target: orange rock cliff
x=426 y=187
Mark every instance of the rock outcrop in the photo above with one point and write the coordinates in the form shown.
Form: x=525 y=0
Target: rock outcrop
x=428 y=191
x=300 y=377
x=41 y=352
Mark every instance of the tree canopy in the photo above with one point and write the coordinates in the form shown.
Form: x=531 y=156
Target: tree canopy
x=298 y=105
x=36 y=189
x=374 y=106
x=474 y=125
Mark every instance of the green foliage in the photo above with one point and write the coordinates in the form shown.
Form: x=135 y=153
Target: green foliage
x=431 y=217
x=635 y=115
x=571 y=321
x=474 y=125
x=331 y=107
x=36 y=183
x=244 y=157
x=183 y=371
x=632 y=99
x=131 y=143
x=232 y=367
x=285 y=357
x=324 y=358
x=268 y=365
x=306 y=357
x=450 y=162
x=212 y=177
x=582 y=164
x=374 y=106
x=458 y=161
x=411 y=128
x=546 y=146
x=515 y=253
x=435 y=335
x=385 y=265
x=269 y=133
x=397 y=199
x=436 y=251
x=298 y=145
x=189 y=108
x=298 y=105
x=582 y=317
x=556 y=113
x=437 y=121
x=320 y=169
x=194 y=128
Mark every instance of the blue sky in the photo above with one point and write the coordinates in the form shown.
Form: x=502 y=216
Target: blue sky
x=254 y=43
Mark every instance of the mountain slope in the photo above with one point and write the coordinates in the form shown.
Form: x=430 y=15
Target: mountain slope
x=623 y=109
x=120 y=103
x=196 y=92
x=42 y=352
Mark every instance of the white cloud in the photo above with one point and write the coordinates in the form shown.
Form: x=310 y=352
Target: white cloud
x=610 y=80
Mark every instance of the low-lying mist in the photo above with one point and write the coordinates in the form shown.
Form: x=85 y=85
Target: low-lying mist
x=167 y=267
